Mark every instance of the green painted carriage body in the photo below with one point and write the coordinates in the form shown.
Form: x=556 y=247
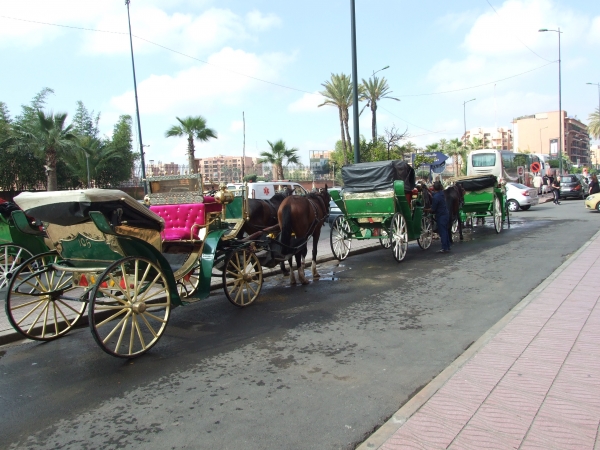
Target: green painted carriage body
x=370 y=211
x=16 y=230
x=481 y=203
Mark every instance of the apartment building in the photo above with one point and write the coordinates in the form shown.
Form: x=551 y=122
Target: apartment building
x=498 y=138
x=160 y=168
x=539 y=133
x=227 y=168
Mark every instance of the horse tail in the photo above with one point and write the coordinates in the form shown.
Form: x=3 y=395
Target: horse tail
x=286 y=224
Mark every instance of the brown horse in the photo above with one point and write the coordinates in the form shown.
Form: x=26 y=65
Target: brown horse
x=303 y=216
x=455 y=197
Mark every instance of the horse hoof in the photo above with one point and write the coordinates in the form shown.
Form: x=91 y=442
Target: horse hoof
x=305 y=282
x=316 y=275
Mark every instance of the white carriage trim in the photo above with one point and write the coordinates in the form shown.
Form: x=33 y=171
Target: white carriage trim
x=388 y=193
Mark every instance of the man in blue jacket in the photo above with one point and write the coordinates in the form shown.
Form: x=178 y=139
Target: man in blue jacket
x=442 y=216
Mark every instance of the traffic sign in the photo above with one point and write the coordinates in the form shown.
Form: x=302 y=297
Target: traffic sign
x=535 y=167
x=520 y=170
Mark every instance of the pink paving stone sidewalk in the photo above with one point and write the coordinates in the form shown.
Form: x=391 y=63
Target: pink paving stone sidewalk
x=534 y=385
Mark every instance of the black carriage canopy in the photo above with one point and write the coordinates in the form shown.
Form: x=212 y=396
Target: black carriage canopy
x=377 y=176
x=72 y=207
x=477 y=182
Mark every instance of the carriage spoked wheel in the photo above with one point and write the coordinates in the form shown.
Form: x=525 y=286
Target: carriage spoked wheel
x=242 y=277
x=426 y=237
x=130 y=307
x=497 y=215
x=399 y=237
x=43 y=303
x=340 y=238
x=188 y=285
x=11 y=257
x=385 y=240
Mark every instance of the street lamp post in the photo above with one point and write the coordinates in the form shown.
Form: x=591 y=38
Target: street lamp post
x=597 y=84
x=137 y=108
x=87 y=163
x=465 y=117
x=560 y=119
x=541 y=150
x=354 y=85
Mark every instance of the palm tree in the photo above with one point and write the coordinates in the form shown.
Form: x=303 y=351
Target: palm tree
x=100 y=157
x=454 y=148
x=279 y=156
x=192 y=128
x=374 y=90
x=48 y=135
x=594 y=126
x=339 y=93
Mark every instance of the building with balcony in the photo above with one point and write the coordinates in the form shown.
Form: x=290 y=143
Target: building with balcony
x=160 y=168
x=497 y=138
x=319 y=162
x=227 y=169
x=539 y=133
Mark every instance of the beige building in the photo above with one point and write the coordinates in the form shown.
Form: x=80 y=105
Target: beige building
x=227 y=168
x=595 y=156
x=497 y=138
x=160 y=168
x=539 y=133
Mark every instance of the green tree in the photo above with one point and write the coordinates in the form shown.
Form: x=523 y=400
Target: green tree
x=49 y=136
x=339 y=93
x=279 y=156
x=373 y=90
x=453 y=150
x=372 y=151
x=192 y=128
x=85 y=123
x=594 y=126
x=28 y=116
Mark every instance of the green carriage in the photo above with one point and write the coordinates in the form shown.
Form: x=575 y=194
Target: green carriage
x=484 y=197
x=129 y=265
x=19 y=241
x=379 y=201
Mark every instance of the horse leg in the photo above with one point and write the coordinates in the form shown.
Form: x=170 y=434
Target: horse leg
x=313 y=266
x=292 y=276
x=460 y=227
x=300 y=263
x=284 y=271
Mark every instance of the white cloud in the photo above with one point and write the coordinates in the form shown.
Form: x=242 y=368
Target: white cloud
x=594 y=35
x=189 y=33
x=307 y=103
x=261 y=22
x=236 y=125
x=203 y=87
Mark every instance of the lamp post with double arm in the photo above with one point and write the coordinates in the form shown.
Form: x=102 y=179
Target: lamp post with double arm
x=560 y=118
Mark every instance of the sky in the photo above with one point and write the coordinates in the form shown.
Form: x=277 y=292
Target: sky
x=267 y=60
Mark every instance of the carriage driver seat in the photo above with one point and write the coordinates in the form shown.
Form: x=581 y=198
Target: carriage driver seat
x=181 y=221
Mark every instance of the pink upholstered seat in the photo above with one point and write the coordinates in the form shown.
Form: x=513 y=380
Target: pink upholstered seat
x=211 y=205
x=179 y=219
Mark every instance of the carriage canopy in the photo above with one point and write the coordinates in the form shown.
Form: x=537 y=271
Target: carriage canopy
x=377 y=176
x=72 y=207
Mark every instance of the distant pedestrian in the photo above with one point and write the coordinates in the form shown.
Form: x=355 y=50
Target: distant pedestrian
x=586 y=175
x=556 y=190
x=442 y=216
x=594 y=187
x=546 y=184
x=537 y=182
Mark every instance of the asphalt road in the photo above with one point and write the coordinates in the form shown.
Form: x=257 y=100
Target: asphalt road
x=316 y=366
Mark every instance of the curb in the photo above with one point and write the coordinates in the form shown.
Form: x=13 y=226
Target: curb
x=379 y=437
x=14 y=336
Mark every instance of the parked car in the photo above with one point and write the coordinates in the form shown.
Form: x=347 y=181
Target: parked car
x=571 y=186
x=264 y=190
x=593 y=202
x=334 y=212
x=519 y=196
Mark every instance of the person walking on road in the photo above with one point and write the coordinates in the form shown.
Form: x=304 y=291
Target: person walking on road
x=594 y=187
x=537 y=182
x=547 y=184
x=442 y=216
x=556 y=190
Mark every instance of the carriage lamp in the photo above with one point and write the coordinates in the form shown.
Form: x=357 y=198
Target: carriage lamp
x=224 y=197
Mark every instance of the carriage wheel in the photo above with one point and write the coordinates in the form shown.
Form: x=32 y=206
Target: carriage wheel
x=497 y=215
x=43 y=303
x=340 y=238
x=426 y=233
x=130 y=307
x=11 y=257
x=188 y=285
x=507 y=216
x=399 y=237
x=385 y=240
x=242 y=277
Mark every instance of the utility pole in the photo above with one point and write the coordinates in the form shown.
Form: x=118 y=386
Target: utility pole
x=355 y=86
x=244 y=148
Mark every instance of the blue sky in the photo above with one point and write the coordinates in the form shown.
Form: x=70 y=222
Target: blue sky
x=432 y=47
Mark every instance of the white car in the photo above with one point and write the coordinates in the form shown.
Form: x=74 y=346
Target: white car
x=519 y=196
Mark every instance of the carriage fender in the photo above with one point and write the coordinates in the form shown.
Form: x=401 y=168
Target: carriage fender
x=207 y=260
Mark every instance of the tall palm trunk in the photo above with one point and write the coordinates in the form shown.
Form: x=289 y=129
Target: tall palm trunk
x=343 y=136
x=191 y=155
x=347 y=131
x=374 y=120
x=51 y=169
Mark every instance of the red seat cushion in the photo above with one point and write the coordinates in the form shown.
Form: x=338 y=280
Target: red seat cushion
x=179 y=219
x=211 y=205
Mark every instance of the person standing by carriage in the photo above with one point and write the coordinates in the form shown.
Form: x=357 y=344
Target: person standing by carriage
x=442 y=216
x=556 y=190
